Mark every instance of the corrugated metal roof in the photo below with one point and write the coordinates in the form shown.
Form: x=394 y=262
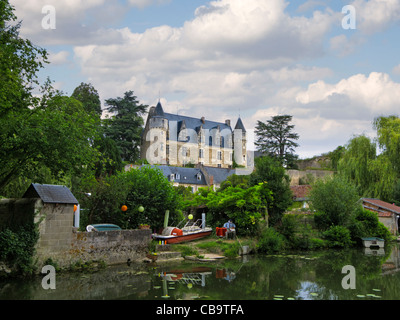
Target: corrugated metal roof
x=49 y=193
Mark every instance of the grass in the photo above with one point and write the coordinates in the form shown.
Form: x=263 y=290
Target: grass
x=227 y=248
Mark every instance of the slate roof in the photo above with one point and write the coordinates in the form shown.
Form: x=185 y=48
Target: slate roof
x=240 y=125
x=190 y=122
x=50 y=193
x=219 y=174
x=196 y=123
x=186 y=175
x=381 y=204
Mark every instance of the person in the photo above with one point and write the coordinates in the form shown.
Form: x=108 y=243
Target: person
x=230 y=229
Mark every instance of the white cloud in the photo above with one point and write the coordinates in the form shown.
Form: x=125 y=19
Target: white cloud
x=373 y=93
x=58 y=58
x=376 y=15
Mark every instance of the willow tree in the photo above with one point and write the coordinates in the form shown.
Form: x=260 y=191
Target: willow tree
x=356 y=163
x=374 y=175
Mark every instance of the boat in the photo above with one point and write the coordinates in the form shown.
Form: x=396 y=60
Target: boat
x=102 y=227
x=190 y=231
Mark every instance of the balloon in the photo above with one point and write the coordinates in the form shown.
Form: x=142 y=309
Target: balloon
x=141 y=209
x=75 y=207
x=124 y=208
x=190 y=216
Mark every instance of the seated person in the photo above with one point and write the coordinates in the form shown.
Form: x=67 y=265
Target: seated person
x=230 y=229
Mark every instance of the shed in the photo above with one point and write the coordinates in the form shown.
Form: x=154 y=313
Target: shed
x=388 y=213
x=55 y=215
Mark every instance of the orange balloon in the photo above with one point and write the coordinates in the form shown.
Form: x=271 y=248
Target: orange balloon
x=124 y=208
x=75 y=207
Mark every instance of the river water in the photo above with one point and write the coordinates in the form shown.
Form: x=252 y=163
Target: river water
x=299 y=276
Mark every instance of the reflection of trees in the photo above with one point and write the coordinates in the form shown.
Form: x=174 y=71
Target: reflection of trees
x=297 y=276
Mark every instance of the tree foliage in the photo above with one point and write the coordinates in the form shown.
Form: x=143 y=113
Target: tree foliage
x=277 y=139
x=89 y=97
x=335 y=202
x=145 y=186
x=276 y=191
x=375 y=175
x=242 y=203
x=20 y=61
x=126 y=124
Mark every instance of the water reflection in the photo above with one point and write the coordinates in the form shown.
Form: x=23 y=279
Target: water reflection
x=304 y=276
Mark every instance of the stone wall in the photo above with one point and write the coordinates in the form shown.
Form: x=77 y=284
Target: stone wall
x=55 y=223
x=112 y=247
x=59 y=240
x=296 y=175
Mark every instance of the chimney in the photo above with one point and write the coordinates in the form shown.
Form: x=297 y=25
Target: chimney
x=203 y=120
x=228 y=122
x=211 y=180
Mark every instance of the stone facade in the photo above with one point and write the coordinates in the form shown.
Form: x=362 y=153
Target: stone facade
x=171 y=139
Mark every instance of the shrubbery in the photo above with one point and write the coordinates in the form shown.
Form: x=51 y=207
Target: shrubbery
x=338 y=236
x=270 y=241
x=17 y=248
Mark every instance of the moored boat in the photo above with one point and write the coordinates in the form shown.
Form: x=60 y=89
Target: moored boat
x=191 y=231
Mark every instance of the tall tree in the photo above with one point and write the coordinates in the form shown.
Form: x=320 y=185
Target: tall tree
x=270 y=172
x=89 y=97
x=20 y=61
x=126 y=124
x=277 y=139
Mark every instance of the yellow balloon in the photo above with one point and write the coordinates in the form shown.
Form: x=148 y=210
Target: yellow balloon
x=190 y=216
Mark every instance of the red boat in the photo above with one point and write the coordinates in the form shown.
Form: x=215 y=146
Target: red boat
x=191 y=231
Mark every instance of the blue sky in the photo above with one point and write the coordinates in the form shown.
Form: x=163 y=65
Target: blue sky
x=223 y=58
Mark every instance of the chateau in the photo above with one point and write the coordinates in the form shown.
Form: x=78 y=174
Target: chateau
x=176 y=140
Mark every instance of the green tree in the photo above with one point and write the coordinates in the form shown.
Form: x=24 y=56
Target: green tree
x=277 y=139
x=126 y=124
x=373 y=175
x=356 y=163
x=20 y=61
x=335 y=201
x=244 y=205
x=57 y=136
x=269 y=170
x=89 y=97
x=145 y=186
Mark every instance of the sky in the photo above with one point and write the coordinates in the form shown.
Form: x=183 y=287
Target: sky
x=333 y=65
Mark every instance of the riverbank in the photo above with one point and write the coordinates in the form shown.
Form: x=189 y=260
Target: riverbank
x=208 y=249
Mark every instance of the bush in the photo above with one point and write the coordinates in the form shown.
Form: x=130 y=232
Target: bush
x=367 y=224
x=338 y=236
x=270 y=241
x=335 y=202
x=17 y=248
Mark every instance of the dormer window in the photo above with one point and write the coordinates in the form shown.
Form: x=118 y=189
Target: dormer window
x=198 y=177
x=177 y=176
x=172 y=177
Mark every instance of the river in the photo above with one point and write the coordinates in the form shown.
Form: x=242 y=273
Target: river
x=316 y=275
